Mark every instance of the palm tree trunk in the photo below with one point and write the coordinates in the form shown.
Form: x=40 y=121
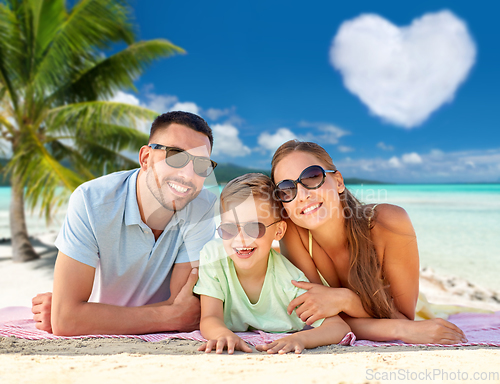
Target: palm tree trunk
x=22 y=250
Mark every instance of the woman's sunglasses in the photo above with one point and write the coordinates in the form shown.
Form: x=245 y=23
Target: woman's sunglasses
x=312 y=177
x=178 y=158
x=253 y=229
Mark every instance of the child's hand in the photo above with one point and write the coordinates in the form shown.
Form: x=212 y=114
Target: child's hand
x=284 y=345
x=232 y=342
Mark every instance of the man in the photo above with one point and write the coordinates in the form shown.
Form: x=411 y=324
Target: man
x=126 y=246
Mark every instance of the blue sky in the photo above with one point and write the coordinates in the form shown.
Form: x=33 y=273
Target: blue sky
x=261 y=72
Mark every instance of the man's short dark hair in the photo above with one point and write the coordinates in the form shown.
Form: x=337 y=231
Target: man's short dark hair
x=190 y=120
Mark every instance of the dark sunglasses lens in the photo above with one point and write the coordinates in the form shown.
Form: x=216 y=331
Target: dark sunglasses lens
x=286 y=191
x=227 y=231
x=202 y=167
x=255 y=230
x=312 y=177
x=176 y=158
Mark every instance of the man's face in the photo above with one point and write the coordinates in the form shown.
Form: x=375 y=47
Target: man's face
x=173 y=187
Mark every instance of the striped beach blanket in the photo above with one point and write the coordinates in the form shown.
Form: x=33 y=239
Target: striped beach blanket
x=480 y=329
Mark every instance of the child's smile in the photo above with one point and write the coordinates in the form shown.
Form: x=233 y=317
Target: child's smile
x=245 y=252
x=250 y=228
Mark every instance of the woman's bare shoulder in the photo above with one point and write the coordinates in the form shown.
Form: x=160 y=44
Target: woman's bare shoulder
x=392 y=218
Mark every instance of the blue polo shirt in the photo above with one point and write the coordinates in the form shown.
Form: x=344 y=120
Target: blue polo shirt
x=103 y=229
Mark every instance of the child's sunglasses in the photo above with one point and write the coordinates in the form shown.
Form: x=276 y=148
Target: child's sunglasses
x=312 y=177
x=178 y=158
x=256 y=229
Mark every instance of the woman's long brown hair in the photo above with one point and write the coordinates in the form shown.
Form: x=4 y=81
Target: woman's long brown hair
x=365 y=271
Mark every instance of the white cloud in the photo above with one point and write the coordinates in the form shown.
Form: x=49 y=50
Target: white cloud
x=385 y=147
x=271 y=142
x=455 y=166
x=187 y=106
x=216 y=114
x=411 y=158
x=345 y=148
x=330 y=133
x=403 y=74
x=160 y=103
x=323 y=133
x=126 y=98
x=394 y=162
x=227 y=141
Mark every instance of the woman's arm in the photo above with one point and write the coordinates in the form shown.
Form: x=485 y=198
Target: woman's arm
x=215 y=331
x=435 y=331
x=396 y=245
x=320 y=302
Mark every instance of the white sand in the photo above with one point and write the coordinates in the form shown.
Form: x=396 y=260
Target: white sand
x=359 y=367
x=177 y=361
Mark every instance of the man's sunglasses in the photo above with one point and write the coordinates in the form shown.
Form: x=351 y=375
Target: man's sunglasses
x=255 y=230
x=312 y=177
x=178 y=158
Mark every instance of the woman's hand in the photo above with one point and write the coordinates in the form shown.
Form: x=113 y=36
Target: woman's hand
x=434 y=331
x=319 y=301
x=284 y=345
x=230 y=341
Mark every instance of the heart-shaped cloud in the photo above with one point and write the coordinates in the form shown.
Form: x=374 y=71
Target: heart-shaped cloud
x=403 y=74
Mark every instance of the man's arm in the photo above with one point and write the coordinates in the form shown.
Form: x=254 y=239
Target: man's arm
x=72 y=314
x=180 y=274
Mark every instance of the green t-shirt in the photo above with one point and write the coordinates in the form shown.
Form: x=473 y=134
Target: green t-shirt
x=217 y=278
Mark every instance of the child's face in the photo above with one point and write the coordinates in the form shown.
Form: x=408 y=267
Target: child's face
x=248 y=252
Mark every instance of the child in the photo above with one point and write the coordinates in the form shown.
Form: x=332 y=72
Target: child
x=244 y=284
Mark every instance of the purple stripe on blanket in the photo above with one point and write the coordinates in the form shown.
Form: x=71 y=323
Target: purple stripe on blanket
x=480 y=329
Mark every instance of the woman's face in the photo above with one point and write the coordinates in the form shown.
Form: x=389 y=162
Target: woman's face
x=311 y=207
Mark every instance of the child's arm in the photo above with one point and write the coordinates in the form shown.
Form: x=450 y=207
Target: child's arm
x=215 y=331
x=331 y=331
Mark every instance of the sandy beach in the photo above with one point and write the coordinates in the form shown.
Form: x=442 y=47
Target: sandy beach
x=124 y=361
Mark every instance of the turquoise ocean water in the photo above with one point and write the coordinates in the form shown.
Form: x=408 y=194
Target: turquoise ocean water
x=458 y=226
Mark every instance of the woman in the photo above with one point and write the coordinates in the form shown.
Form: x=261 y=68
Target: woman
x=362 y=260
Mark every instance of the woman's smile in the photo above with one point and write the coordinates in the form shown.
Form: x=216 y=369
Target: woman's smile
x=311 y=208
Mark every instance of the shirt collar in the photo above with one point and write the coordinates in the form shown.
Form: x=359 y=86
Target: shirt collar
x=132 y=214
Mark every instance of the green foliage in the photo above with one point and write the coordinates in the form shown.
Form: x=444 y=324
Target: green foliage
x=54 y=80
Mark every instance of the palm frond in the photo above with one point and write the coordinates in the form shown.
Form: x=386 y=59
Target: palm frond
x=101 y=158
x=91 y=27
x=118 y=71
x=43 y=176
x=48 y=16
x=89 y=116
x=11 y=57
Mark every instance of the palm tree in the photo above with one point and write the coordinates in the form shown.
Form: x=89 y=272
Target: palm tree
x=55 y=80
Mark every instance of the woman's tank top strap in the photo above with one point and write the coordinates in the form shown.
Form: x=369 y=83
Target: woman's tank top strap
x=323 y=280
x=371 y=215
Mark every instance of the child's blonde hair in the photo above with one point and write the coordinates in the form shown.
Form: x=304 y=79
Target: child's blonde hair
x=257 y=185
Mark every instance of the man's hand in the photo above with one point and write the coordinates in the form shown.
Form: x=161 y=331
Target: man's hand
x=41 y=308
x=187 y=305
